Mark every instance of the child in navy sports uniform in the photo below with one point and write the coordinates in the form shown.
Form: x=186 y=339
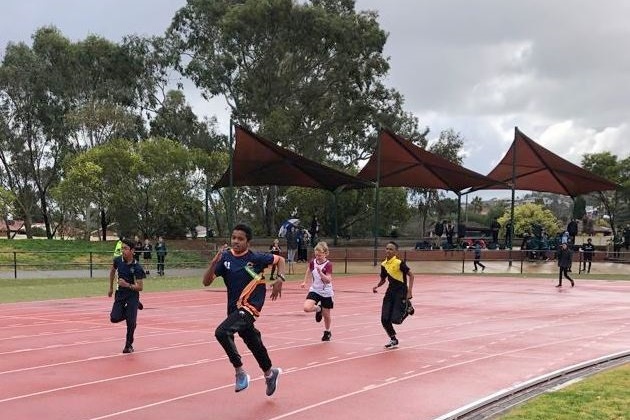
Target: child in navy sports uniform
x=241 y=270
x=129 y=285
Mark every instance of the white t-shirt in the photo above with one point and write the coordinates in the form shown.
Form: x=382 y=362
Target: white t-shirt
x=318 y=286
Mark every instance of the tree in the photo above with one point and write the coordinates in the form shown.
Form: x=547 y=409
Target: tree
x=476 y=205
x=58 y=97
x=151 y=188
x=7 y=200
x=527 y=216
x=427 y=200
x=176 y=120
x=308 y=74
x=610 y=167
x=33 y=92
x=579 y=208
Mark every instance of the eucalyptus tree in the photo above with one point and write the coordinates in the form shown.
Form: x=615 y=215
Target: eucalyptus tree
x=34 y=85
x=309 y=75
x=427 y=200
x=615 y=169
x=150 y=188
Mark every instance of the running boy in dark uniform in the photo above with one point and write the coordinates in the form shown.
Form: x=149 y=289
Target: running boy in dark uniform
x=241 y=270
x=129 y=285
x=396 y=272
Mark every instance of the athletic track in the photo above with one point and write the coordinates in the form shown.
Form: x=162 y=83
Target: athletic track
x=469 y=338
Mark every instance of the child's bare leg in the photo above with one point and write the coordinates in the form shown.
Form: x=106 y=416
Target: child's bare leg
x=310 y=305
x=327 y=318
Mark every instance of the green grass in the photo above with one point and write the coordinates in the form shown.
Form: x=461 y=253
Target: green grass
x=26 y=290
x=42 y=254
x=602 y=396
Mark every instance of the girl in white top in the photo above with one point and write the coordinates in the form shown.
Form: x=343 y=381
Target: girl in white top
x=320 y=294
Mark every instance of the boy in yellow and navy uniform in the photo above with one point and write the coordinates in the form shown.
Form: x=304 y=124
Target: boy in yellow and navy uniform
x=399 y=290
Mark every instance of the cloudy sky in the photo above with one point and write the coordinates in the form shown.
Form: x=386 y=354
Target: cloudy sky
x=559 y=70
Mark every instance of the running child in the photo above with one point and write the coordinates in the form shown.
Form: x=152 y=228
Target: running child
x=241 y=270
x=320 y=294
x=396 y=271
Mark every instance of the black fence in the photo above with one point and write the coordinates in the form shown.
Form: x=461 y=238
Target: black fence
x=346 y=260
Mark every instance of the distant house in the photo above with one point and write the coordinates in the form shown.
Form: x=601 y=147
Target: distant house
x=14 y=226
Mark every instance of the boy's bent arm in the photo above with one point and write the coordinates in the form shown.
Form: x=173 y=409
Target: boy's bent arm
x=410 y=279
x=112 y=273
x=209 y=276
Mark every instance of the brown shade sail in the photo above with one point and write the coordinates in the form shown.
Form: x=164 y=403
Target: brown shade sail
x=538 y=169
x=258 y=161
x=403 y=164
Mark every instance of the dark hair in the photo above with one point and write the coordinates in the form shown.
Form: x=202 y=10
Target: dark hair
x=244 y=228
x=131 y=244
x=393 y=243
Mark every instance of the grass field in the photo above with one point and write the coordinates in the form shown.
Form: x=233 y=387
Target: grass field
x=599 y=397
x=42 y=254
x=27 y=290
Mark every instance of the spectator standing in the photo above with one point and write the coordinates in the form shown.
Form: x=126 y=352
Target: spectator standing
x=477 y=260
x=450 y=232
x=617 y=243
x=307 y=241
x=565 y=258
x=160 y=252
x=572 y=228
x=118 y=247
x=147 y=254
x=626 y=237
x=314 y=231
x=508 y=234
x=274 y=249
x=137 y=249
x=130 y=276
x=292 y=246
x=438 y=230
x=588 y=250
x=301 y=247
x=494 y=228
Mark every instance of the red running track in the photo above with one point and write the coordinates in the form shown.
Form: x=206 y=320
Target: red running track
x=470 y=337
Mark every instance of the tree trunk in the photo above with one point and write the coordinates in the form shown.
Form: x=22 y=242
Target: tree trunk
x=103 y=225
x=6 y=222
x=44 y=204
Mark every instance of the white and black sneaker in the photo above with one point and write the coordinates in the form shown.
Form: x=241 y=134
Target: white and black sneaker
x=392 y=344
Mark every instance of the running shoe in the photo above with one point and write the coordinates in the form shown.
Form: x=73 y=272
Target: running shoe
x=128 y=349
x=326 y=336
x=242 y=382
x=318 y=314
x=392 y=344
x=272 y=381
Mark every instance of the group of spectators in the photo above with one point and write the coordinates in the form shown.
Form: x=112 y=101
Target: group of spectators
x=144 y=250
x=298 y=240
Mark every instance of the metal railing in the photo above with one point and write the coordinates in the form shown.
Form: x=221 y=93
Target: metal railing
x=350 y=260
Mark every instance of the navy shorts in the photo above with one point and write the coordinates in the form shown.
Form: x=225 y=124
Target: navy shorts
x=326 y=302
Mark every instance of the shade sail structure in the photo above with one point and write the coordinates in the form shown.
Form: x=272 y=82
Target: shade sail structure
x=403 y=164
x=538 y=169
x=258 y=161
